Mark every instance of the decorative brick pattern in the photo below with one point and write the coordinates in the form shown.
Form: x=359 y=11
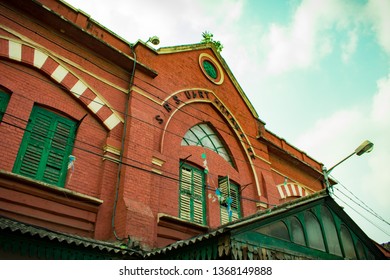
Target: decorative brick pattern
x=291 y=190
x=38 y=59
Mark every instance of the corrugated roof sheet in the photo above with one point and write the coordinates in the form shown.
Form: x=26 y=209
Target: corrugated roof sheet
x=184 y=243
x=71 y=239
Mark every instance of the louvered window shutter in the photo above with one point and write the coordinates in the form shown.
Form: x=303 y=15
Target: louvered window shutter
x=46 y=146
x=185 y=193
x=198 y=196
x=223 y=184
x=192 y=194
x=229 y=190
x=4 y=99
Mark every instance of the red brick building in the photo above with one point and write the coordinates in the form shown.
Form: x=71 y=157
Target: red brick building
x=124 y=143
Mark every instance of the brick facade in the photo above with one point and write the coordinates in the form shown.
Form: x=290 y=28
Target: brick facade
x=73 y=66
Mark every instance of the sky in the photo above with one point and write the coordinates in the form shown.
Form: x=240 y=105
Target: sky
x=316 y=71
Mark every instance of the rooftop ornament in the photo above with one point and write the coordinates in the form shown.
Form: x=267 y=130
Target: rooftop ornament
x=208 y=38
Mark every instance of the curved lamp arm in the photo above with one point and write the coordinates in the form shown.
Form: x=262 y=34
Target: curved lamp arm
x=365 y=147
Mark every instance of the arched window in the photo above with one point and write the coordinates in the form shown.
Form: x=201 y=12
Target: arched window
x=347 y=243
x=297 y=234
x=277 y=229
x=203 y=135
x=360 y=250
x=330 y=232
x=314 y=234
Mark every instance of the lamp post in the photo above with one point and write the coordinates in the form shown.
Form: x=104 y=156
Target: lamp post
x=365 y=147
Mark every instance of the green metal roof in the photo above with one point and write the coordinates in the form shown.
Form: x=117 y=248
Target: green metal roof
x=31 y=242
x=246 y=239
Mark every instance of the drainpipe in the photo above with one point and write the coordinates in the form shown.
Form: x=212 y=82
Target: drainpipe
x=119 y=173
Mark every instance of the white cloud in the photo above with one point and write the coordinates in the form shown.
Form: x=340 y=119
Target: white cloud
x=334 y=137
x=349 y=47
x=380 y=118
x=381 y=103
x=378 y=13
x=175 y=22
x=303 y=41
x=132 y=20
x=324 y=139
x=228 y=10
x=312 y=33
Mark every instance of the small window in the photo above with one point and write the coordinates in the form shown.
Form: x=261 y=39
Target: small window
x=46 y=146
x=191 y=197
x=297 y=234
x=346 y=239
x=330 y=232
x=277 y=229
x=203 y=135
x=313 y=230
x=4 y=99
x=229 y=200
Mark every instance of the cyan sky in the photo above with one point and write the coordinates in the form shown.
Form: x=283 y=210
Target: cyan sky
x=316 y=71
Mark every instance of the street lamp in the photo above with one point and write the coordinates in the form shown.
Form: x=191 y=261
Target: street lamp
x=365 y=147
x=154 y=40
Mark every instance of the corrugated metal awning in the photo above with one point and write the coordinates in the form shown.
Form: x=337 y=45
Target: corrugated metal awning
x=59 y=238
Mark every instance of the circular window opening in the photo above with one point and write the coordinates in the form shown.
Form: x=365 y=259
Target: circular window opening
x=210 y=69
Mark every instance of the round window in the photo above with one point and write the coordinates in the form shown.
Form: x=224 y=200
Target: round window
x=211 y=69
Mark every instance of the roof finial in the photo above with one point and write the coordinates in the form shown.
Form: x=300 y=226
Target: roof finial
x=208 y=38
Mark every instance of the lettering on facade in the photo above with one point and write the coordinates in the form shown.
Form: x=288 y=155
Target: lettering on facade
x=190 y=95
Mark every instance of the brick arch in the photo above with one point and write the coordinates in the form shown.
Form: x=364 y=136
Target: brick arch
x=40 y=60
x=236 y=127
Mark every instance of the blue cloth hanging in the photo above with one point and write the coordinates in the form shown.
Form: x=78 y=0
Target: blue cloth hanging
x=72 y=159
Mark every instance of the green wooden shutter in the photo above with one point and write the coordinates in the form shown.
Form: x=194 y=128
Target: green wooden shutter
x=191 y=200
x=198 y=196
x=46 y=146
x=236 y=205
x=224 y=186
x=229 y=189
x=185 y=193
x=4 y=99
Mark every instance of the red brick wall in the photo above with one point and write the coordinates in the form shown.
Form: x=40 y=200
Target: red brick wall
x=146 y=193
x=29 y=85
x=150 y=193
x=153 y=132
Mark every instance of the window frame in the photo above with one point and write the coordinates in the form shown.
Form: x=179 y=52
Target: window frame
x=226 y=187
x=188 y=194
x=4 y=100
x=204 y=133
x=46 y=146
x=347 y=243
